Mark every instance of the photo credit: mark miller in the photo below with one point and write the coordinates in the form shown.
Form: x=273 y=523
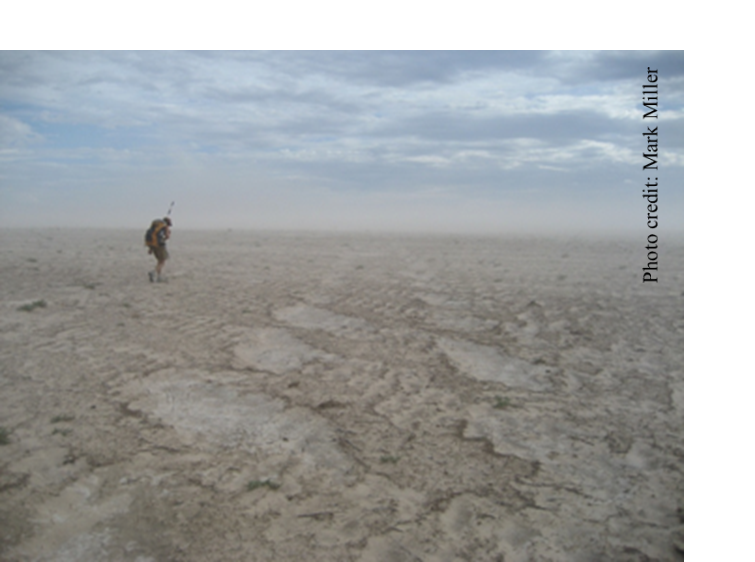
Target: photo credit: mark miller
x=650 y=156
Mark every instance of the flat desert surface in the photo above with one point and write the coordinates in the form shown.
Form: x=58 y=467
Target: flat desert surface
x=370 y=398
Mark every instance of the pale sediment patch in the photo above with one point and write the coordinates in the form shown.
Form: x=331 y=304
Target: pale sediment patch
x=312 y=318
x=71 y=521
x=486 y=363
x=461 y=322
x=274 y=350
x=212 y=416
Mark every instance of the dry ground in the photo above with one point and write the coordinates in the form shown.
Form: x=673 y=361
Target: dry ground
x=339 y=398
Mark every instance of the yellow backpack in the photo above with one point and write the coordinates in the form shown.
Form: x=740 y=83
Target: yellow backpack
x=152 y=237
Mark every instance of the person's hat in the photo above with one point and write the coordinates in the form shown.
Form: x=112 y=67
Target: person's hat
x=168 y=221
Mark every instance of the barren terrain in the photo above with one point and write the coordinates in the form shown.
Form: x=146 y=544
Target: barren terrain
x=289 y=397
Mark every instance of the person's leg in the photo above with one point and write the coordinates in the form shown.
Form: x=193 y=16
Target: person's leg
x=153 y=273
x=162 y=255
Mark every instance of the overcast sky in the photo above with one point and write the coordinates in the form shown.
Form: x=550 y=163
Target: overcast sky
x=458 y=141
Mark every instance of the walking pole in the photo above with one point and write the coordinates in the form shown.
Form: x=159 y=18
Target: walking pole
x=170 y=208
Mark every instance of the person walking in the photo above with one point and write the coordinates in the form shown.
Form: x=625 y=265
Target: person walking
x=155 y=239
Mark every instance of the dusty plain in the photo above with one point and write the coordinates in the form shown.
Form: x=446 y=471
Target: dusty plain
x=371 y=398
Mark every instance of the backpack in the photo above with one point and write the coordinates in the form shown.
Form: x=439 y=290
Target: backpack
x=155 y=235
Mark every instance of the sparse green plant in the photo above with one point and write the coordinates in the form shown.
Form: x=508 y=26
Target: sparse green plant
x=90 y=286
x=63 y=432
x=254 y=484
x=389 y=459
x=31 y=306
x=501 y=403
x=62 y=418
x=4 y=436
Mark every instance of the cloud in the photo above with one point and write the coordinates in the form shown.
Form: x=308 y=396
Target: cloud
x=14 y=133
x=345 y=124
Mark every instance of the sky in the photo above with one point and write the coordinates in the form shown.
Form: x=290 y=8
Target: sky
x=417 y=141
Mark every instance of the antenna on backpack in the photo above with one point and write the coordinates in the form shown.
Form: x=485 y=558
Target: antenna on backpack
x=170 y=208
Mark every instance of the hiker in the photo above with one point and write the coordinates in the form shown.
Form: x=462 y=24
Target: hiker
x=155 y=239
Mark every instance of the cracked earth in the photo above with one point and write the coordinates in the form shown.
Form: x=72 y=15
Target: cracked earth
x=339 y=397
